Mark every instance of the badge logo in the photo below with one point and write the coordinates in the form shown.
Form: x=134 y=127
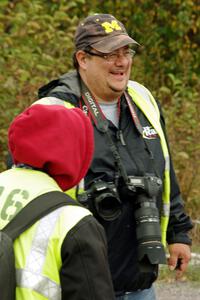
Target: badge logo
x=149 y=133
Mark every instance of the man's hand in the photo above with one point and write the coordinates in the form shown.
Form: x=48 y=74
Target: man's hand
x=179 y=258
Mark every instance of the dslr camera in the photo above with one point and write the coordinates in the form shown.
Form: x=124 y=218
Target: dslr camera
x=102 y=199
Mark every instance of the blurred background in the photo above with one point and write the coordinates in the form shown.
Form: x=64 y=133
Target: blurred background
x=36 y=46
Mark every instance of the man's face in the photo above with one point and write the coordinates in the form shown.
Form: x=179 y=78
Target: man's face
x=106 y=75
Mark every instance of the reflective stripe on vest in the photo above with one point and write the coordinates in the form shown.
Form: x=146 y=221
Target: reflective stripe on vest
x=31 y=276
x=53 y=227
x=145 y=101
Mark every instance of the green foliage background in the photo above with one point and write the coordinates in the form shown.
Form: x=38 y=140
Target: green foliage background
x=36 y=39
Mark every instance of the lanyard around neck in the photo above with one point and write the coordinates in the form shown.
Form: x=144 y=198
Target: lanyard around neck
x=133 y=113
x=101 y=124
x=97 y=116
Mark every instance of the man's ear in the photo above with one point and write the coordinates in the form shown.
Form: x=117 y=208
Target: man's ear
x=81 y=57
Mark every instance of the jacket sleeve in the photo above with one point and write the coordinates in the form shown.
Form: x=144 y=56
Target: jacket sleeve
x=85 y=273
x=179 y=222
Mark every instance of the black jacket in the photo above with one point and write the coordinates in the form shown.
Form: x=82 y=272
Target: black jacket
x=84 y=273
x=138 y=158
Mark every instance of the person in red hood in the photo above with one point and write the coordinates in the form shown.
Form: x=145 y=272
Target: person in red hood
x=64 y=254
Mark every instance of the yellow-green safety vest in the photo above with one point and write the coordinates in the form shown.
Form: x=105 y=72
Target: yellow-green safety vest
x=147 y=104
x=37 y=250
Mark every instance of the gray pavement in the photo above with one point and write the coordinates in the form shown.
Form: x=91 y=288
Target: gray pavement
x=177 y=290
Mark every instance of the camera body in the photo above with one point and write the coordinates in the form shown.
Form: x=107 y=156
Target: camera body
x=102 y=199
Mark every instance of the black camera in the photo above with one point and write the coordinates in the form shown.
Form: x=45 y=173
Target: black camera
x=145 y=190
x=102 y=199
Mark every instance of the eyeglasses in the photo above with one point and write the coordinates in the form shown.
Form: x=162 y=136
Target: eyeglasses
x=111 y=57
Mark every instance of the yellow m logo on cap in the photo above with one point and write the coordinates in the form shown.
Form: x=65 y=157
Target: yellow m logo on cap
x=109 y=27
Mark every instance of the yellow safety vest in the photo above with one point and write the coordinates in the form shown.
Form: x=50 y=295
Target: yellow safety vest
x=37 y=250
x=147 y=104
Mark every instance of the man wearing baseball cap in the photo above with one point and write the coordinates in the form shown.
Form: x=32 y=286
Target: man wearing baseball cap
x=64 y=254
x=130 y=187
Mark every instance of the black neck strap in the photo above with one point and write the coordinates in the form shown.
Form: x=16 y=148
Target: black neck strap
x=101 y=124
x=97 y=116
x=133 y=114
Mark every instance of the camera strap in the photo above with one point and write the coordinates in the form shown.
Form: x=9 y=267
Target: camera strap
x=101 y=124
x=136 y=121
x=92 y=105
x=139 y=127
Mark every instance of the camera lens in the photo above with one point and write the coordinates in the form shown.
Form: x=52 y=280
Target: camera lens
x=107 y=206
x=148 y=231
x=148 y=223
